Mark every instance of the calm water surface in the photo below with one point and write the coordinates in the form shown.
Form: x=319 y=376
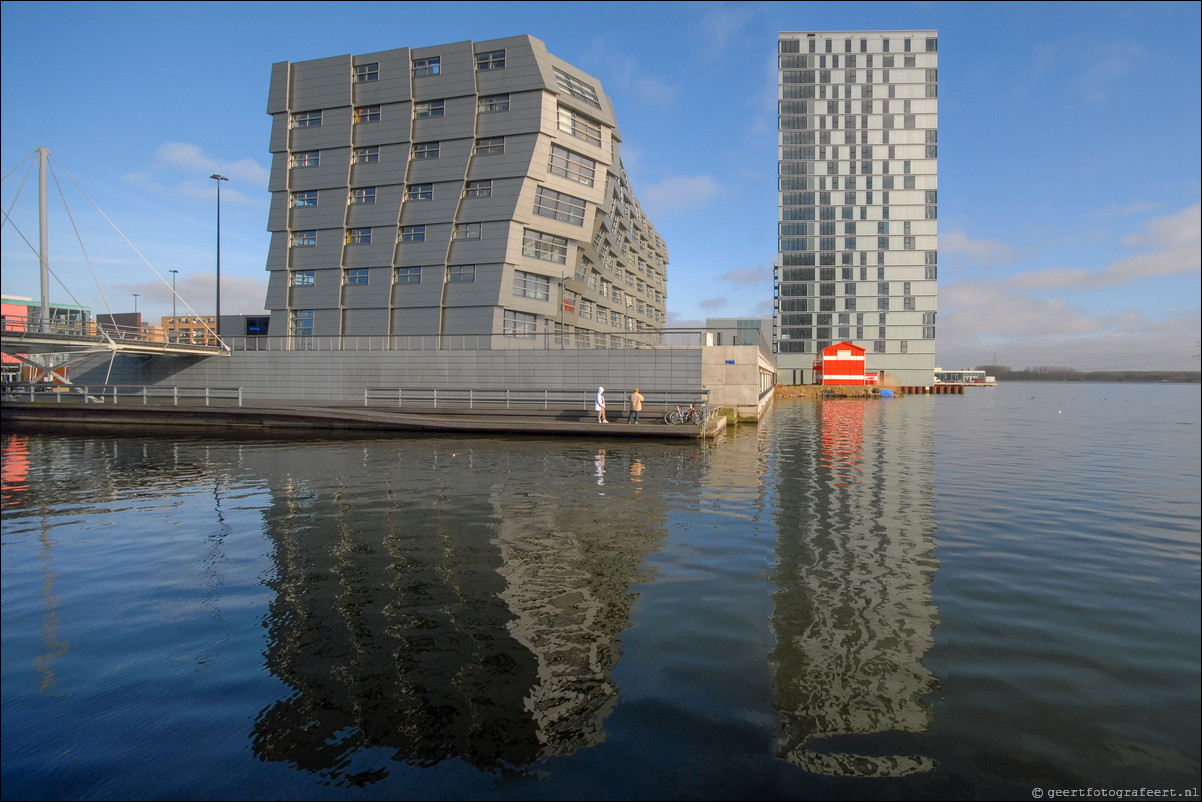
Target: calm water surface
x=927 y=597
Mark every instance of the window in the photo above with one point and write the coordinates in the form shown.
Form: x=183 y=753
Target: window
x=304 y=239
x=559 y=206
x=306 y=119
x=426 y=66
x=425 y=150
x=367 y=72
x=461 y=273
x=366 y=155
x=572 y=166
x=305 y=158
x=490 y=146
x=538 y=245
x=302 y=322
x=356 y=275
x=367 y=114
x=493 y=103
x=306 y=198
x=466 y=231
x=531 y=285
x=358 y=236
x=908 y=243
x=492 y=60
x=408 y=275
x=303 y=278
x=431 y=108
x=576 y=88
x=413 y=234
x=478 y=189
x=579 y=126
x=363 y=195
x=878 y=347
x=517 y=324
x=419 y=192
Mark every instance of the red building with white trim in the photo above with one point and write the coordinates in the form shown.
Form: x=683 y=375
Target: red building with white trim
x=842 y=364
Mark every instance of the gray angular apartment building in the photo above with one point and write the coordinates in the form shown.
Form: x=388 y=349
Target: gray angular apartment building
x=472 y=189
x=857 y=255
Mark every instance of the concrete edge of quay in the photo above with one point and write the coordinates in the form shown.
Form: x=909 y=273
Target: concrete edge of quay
x=334 y=419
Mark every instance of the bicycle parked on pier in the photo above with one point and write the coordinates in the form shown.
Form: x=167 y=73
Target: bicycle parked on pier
x=682 y=415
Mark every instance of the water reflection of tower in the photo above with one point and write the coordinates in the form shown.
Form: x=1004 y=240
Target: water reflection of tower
x=452 y=606
x=853 y=616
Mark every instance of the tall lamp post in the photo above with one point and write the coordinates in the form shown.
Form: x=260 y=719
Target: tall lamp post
x=218 y=179
x=174 y=322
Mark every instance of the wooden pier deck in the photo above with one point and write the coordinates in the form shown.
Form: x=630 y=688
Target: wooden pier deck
x=267 y=417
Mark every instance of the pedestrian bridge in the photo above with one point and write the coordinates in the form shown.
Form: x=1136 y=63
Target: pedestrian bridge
x=21 y=338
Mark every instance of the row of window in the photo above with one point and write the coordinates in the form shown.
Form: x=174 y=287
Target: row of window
x=794 y=45
x=830 y=243
x=795 y=229
x=431 y=65
x=888 y=61
x=535 y=244
x=795 y=106
x=566 y=163
x=421 y=110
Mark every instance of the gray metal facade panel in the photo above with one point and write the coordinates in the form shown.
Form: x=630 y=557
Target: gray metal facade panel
x=331 y=171
x=320 y=84
x=425 y=294
x=277 y=92
x=393 y=126
x=379 y=252
x=277 y=291
x=382 y=213
x=327 y=251
x=279 y=133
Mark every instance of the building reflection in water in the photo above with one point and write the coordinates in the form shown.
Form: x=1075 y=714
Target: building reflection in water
x=853 y=615
x=450 y=604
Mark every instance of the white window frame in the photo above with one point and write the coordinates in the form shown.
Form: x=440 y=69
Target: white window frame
x=519 y=324
x=426 y=150
x=304 y=197
x=367 y=114
x=478 y=189
x=303 y=239
x=355 y=276
x=367 y=72
x=306 y=158
x=407 y=275
x=490 y=146
x=358 y=236
x=531 y=285
x=366 y=155
x=413 y=233
x=461 y=273
x=302 y=278
x=419 y=192
x=306 y=119
x=431 y=65
x=429 y=108
x=491 y=103
x=361 y=196
x=492 y=60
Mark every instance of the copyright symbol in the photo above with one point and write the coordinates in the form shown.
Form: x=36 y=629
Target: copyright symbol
x=1037 y=793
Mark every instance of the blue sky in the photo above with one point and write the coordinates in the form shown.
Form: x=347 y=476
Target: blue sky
x=1069 y=152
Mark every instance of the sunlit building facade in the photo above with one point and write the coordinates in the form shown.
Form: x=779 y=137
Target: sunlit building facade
x=857 y=253
x=472 y=188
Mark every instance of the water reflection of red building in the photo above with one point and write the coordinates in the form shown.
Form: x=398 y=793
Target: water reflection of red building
x=842 y=439
x=14 y=469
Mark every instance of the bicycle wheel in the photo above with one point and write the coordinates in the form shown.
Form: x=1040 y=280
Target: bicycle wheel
x=673 y=417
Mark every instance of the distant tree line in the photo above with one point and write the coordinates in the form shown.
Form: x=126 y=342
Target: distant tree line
x=1057 y=374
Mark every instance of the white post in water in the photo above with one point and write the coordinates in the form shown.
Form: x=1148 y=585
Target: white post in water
x=43 y=247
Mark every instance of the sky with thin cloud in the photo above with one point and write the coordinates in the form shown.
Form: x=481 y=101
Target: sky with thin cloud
x=1068 y=152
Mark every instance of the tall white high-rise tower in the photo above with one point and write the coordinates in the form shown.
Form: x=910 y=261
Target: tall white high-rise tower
x=858 y=140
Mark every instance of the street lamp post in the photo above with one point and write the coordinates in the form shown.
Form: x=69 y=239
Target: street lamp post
x=217 y=322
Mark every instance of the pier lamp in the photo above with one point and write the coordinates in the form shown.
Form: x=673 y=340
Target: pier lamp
x=217 y=322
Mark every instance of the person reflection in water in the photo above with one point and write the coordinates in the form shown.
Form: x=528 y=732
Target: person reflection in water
x=599 y=462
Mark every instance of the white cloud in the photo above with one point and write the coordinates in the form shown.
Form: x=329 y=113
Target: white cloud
x=680 y=192
x=1172 y=245
x=748 y=275
x=986 y=252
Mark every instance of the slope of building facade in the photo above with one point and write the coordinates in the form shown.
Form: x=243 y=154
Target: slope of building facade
x=467 y=189
x=858 y=197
